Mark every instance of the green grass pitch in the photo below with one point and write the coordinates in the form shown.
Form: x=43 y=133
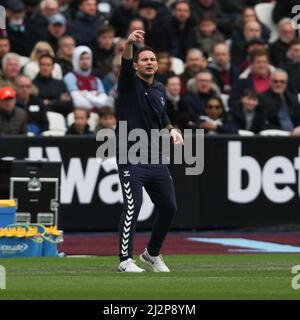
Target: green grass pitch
x=247 y=276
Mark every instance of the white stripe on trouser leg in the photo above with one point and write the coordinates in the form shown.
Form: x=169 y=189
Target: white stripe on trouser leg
x=128 y=218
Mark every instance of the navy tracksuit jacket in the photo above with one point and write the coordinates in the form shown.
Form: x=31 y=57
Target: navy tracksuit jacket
x=143 y=106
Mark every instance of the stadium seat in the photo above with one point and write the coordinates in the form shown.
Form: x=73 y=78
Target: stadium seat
x=177 y=65
x=53 y=133
x=93 y=120
x=274 y=132
x=264 y=14
x=225 y=98
x=56 y=121
x=246 y=133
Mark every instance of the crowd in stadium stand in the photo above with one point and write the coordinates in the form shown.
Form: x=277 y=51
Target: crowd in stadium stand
x=224 y=70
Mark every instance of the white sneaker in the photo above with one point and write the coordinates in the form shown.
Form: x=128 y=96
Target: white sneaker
x=129 y=265
x=156 y=263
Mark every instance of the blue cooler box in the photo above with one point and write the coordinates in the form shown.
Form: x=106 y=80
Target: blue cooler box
x=7 y=212
x=19 y=247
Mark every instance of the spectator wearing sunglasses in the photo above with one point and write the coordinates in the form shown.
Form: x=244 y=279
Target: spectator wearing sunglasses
x=214 y=120
x=281 y=106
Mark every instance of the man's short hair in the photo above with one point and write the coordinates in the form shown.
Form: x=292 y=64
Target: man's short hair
x=258 y=53
x=295 y=42
x=46 y=55
x=105 y=29
x=106 y=111
x=250 y=93
x=140 y=50
x=176 y=3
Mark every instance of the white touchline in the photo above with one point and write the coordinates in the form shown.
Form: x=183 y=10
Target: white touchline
x=261 y=246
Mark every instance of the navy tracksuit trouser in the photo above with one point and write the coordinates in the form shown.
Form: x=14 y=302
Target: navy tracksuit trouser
x=158 y=183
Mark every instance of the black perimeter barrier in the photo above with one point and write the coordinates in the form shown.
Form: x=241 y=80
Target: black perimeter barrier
x=247 y=182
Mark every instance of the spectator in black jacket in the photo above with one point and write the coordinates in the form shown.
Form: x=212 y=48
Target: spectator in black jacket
x=201 y=7
x=122 y=16
x=194 y=63
x=173 y=34
x=282 y=107
x=206 y=35
x=292 y=66
x=4 y=48
x=53 y=93
x=148 y=12
x=174 y=107
x=249 y=114
x=251 y=30
x=194 y=101
x=86 y=23
x=66 y=46
x=56 y=29
x=248 y=15
x=220 y=66
x=279 y=48
x=80 y=125
x=38 y=22
x=103 y=51
x=13 y=120
x=283 y=8
x=215 y=120
x=36 y=114
x=17 y=28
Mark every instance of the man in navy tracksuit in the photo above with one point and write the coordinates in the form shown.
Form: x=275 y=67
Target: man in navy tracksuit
x=141 y=102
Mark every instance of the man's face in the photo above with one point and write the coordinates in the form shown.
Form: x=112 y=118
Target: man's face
x=16 y=17
x=80 y=119
x=46 y=67
x=8 y=104
x=204 y=82
x=89 y=7
x=207 y=28
x=164 y=65
x=249 y=15
x=23 y=86
x=84 y=62
x=213 y=109
x=182 y=12
x=260 y=66
x=195 y=62
x=295 y=53
x=148 y=13
x=57 y=29
x=108 y=121
x=136 y=25
x=252 y=30
x=147 y=64
x=278 y=82
x=173 y=86
x=206 y=3
x=50 y=9
x=287 y=33
x=12 y=68
x=4 y=47
x=105 y=40
x=249 y=103
x=221 y=55
x=67 y=47
x=129 y=4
